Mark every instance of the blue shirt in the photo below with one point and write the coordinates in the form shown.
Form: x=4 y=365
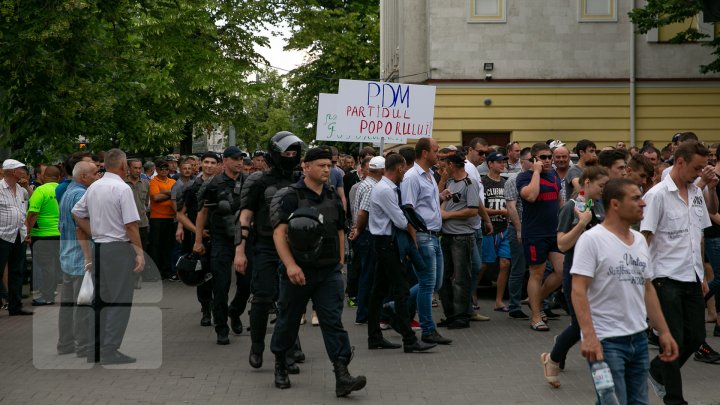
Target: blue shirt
x=384 y=209
x=61 y=188
x=420 y=190
x=72 y=261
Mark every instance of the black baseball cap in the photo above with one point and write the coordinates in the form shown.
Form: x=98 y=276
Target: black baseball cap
x=495 y=157
x=233 y=152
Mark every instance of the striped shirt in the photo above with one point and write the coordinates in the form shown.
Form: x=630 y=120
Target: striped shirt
x=13 y=209
x=362 y=196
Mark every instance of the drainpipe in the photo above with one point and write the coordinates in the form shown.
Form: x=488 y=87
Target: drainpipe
x=632 y=82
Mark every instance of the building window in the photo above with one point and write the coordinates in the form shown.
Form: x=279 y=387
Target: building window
x=487 y=11
x=597 y=11
x=667 y=32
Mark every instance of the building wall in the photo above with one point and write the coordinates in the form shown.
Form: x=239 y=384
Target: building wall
x=553 y=77
x=571 y=112
x=540 y=40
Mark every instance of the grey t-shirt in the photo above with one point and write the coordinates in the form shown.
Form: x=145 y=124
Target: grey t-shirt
x=468 y=196
x=574 y=172
x=511 y=193
x=567 y=219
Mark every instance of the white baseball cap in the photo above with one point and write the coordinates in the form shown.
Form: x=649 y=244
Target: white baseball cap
x=10 y=164
x=376 y=163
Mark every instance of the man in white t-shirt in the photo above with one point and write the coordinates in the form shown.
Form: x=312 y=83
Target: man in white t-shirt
x=613 y=296
x=676 y=215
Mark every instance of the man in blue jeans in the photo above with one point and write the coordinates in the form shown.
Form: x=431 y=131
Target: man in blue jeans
x=613 y=295
x=517 y=257
x=420 y=191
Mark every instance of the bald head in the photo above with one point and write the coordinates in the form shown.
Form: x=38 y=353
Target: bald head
x=561 y=157
x=85 y=173
x=52 y=174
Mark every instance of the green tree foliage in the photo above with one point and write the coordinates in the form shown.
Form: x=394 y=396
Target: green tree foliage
x=658 y=13
x=342 y=39
x=265 y=111
x=127 y=73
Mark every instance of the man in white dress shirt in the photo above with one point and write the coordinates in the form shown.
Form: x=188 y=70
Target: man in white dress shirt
x=107 y=211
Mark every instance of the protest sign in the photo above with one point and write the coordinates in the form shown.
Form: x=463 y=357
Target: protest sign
x=327 y=125
x=385 y=109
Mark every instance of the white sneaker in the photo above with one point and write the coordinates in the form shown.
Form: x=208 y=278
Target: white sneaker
x=315 y=321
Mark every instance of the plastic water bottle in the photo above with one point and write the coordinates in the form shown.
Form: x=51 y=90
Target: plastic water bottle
x=580 y=202
x=604 y=385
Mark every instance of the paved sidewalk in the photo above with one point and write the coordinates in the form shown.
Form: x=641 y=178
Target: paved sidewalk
x=494 y=362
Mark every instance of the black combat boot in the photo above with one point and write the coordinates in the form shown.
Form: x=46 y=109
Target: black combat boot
x=206 y=319
x=344 y=382
x=258 y=328
x=282 y=380
x=296 y=352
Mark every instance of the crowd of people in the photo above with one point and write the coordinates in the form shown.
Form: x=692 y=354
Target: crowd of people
x=615 y=237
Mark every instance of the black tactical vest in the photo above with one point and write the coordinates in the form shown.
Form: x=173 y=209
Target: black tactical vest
x=330 y=253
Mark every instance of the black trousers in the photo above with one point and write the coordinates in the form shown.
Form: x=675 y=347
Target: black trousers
x=13 y=254
x=205 y=290
x=221 y=262
x=264 y=287
x=326 y=289
x=683 y=306
x=162 y=237
x=389 y=280
x=114 y=282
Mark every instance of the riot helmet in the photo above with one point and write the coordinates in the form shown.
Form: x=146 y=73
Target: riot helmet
x=305 y=234
x=285 y=149
x=190 y=271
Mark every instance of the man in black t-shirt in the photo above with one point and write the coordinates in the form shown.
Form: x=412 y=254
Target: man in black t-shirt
x=496 y=246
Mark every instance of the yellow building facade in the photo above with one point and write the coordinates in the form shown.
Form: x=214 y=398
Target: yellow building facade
x=570 y=112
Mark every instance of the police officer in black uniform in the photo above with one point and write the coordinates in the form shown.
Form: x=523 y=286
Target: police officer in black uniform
x=219 y=204
x=187 y=209
x=284 y=150
x=318 y=279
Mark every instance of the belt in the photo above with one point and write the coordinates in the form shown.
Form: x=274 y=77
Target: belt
x=429 y=232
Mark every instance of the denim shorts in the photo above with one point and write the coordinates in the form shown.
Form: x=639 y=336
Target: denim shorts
x=494 y=246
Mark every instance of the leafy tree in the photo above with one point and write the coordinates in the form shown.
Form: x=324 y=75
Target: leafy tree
x=265 y=111
x=137 y=74
x=342 y=40
x=658 y=13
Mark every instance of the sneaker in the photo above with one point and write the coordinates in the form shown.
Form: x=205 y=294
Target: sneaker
x=435 y=303
x=477 y=317
x=526 y=301
x=174 y=277
x=706 y=354
x=518 y=314
x=385 y=325
x=360 y=323
x=351 y=302
x=315 y=321
x=415 y=325
x=657 y=387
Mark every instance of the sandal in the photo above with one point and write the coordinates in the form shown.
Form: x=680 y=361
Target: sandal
x=543 y=316
x=539 y=326
x=502 y=309
x=551 y=370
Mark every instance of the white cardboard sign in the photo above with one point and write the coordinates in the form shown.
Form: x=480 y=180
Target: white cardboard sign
x=385 y=109
x=328 y=128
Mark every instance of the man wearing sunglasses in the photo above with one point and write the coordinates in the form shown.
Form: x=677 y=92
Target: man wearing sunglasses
x=478 y=148
x=539 y=190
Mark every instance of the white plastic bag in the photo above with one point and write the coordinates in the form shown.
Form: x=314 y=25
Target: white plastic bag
x=86 y=290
